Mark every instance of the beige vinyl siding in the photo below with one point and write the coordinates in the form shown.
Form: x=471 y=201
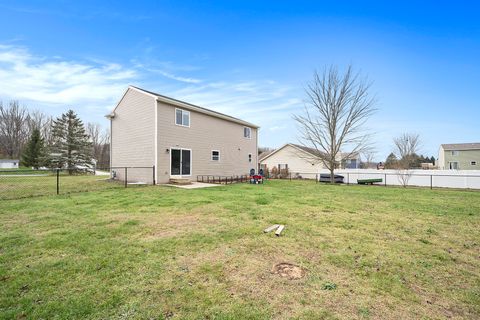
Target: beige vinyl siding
x=298 y=161
x=206 y=133
x=133 y=129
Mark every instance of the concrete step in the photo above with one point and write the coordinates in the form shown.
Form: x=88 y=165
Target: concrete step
x=181 y=181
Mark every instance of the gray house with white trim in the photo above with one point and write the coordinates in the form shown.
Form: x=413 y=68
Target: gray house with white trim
x=459 y=156
x=180 y=139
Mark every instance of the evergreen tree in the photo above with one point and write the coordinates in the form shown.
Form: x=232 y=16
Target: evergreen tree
x=391 y=161
x=34 y=153
x=71 y=147
x=432 y=159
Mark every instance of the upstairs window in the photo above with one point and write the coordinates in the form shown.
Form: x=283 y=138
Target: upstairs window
x=249 y=157
x=247 y=132
x=454 y=153
x=473 y=163
x=182 y=118
x=215 y=155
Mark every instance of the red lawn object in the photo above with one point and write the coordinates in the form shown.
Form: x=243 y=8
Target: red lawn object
x=256 y=179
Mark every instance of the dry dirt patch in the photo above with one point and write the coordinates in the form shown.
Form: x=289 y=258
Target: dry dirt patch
x=289 y=271
x=178 y=225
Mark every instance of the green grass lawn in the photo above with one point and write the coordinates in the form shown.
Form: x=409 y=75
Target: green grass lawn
x=159 y=252
x=42 y=183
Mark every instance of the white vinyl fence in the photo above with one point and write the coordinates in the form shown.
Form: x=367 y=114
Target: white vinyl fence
x=464 y=179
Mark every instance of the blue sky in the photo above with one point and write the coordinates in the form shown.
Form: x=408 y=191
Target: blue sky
x=250 y=59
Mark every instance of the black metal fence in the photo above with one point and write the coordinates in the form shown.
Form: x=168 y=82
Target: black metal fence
x=25 y=183
x=222 y=179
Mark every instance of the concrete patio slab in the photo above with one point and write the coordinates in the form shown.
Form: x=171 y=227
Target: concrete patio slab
x=194 y=185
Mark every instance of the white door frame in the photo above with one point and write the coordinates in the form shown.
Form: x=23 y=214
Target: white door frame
x=450 y=165
x=191 y=162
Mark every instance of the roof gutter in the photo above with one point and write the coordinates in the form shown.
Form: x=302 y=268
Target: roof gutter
x=110 y=116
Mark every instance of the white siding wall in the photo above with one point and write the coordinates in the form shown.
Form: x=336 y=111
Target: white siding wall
x=441 y=159
x=423 y=178
x=298 y=162
x=132 y=135
x=9 y=164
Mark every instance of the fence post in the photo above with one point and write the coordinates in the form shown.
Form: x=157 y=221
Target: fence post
x=58 y=181
x=431 y=181
x=290 y=176
x=348 y=177
x=385 y=179
x=316 y=177
x=153 y=174
x=126 y=176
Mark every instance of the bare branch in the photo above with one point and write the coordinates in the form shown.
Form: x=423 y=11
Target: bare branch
x=336 y=111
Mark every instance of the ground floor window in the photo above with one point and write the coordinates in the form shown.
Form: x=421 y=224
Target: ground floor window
x=215 y=155
x=473 y=163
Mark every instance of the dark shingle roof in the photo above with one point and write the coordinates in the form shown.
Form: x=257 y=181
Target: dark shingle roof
x=461 y=146
x=312 y=151
x=264 y=154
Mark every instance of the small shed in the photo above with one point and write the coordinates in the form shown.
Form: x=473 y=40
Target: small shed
x=9 y=164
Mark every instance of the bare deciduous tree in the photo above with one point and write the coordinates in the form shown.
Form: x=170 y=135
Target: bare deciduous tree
x=406 y=148
x=100 y=142
x=335 y=114
x=14 y=130
x=42 y=122
x=368 y=156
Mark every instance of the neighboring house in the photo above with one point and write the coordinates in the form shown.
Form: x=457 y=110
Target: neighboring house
x=9 y=164
x=180 y=139
x=350 y=162
x=299 y=160
x=459 y=156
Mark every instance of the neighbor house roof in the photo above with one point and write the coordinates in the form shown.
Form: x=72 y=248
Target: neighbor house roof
x=8 y=160
x=189 y=106
x=264 y=154
x=312 y=151
x=461 y=146
x=308 y=150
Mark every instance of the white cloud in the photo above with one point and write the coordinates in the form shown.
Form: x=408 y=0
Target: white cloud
x=57 y=81
x=94 y=86
x=175 y=77
x=277 y=128
x=164 y=68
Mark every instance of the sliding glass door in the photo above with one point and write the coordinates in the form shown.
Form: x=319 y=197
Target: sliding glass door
x=180 y=162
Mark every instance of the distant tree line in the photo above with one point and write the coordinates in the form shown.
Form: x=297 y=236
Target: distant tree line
x=406 y=154
x=39 y=140
x=414 y=161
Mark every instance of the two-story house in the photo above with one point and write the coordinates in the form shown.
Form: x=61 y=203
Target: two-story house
x=459 y=156
x=180 y=139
